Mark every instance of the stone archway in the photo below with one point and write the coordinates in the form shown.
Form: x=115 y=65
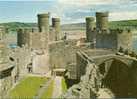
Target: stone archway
x=118 y=79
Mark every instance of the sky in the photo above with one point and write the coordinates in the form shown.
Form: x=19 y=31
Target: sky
x=70 y=11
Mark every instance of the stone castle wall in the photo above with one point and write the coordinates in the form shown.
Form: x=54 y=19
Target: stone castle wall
x=125 y=39
x=105 y=37
x=62 y=53
x=114 y=39
x=6 y=68
x=106 y=40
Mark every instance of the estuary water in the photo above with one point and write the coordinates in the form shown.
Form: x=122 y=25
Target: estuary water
x=135 y=44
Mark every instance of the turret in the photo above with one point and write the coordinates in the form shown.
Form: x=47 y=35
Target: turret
x=43 y=22
x=56 y=26
x=89 y=28
x=43 y=25
x=20 y=37
x=102 y=20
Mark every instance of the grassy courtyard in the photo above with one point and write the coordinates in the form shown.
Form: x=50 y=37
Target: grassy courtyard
x=27 y=88
x=48 y=93
x=64 y=85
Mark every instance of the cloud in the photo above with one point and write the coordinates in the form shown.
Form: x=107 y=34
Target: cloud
x=72 y=11
x=123 y=15
x=92 y=2
x=84 y=2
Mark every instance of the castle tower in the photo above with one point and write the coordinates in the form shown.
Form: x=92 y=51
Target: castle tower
x=43 y=25
x=20 y=37
x=56 y=26
x=102 y=20
x=89 y=28
x=27 y=37
x=43 y=22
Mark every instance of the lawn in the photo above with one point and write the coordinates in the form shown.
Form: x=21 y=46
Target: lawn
x=48 y=93
x=27 y=88
x=64 y=85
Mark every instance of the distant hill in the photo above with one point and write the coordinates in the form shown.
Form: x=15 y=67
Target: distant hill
x=113 y=24
x=75 y=26
x=12 y=26
x=124 y=24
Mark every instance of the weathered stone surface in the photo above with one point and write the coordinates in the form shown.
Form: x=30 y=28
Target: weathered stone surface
x=56 y=26
x=102 y=20
x=89 y=28
x=43 y=24
x=6 y=68
x=114 y=73
x=62 y=53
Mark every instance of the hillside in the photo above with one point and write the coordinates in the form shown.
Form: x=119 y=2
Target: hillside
x=12 y=26
x=76 y=26
x=113 y=24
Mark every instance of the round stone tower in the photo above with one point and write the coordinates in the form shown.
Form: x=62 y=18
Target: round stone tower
x=102 y=20
x=43 y=22
x=27 y=37
x=20 y=37
x=43 y=25
x=56 y=26
x=89 y=28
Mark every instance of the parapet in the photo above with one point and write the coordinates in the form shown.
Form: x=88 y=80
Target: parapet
x=45 y=15
x=120 y=30
x=102 y=14
x=90 y=18
x=55 y=19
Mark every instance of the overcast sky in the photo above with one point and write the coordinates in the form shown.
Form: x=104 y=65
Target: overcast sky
x=70 y=11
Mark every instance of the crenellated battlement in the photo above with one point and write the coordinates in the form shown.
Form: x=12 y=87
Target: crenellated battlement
x=120 y=30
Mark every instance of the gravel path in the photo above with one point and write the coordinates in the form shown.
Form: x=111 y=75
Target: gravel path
x=42 y=89
x=57 y=91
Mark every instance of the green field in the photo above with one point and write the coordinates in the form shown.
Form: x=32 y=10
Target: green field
x=27 y=88
x=13 y=26
x=64 y=85
x=48 y=92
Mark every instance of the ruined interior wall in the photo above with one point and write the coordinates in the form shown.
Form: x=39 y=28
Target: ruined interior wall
x=80 y=65
x=106 y=40
x=36 y=42
x=133 y=77
x=62 y=53
x=22 y=57
x=5 y=85
x=5 y=70
x=89 y=82
x=52 y=35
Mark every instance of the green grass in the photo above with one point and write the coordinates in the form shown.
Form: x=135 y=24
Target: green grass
x=48 y=93
x=27 y=88
x=64 y=85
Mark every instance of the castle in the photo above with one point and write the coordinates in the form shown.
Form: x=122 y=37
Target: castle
x=88 y=64
x=105 y=37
